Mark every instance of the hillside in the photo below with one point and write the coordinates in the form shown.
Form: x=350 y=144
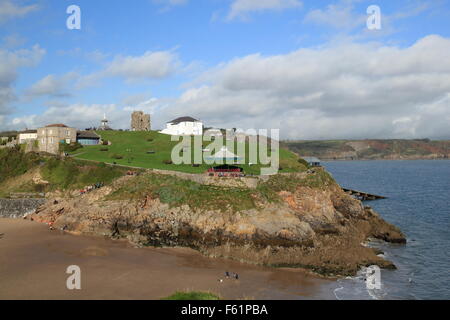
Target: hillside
x=300 y=219
x=371 y=149
x=152 y=150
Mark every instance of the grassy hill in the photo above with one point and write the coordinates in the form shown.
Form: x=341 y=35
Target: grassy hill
x=131 y=149
x=371 y=149
x=18 y=171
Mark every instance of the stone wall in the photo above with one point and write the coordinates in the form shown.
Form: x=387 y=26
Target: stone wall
x=244 y=182
x=17 y=208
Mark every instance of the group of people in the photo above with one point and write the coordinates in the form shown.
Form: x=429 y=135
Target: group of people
x=227 y=175
x=230 y=275
x=91 y=188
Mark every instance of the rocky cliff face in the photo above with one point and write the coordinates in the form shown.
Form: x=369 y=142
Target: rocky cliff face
x=318 y=228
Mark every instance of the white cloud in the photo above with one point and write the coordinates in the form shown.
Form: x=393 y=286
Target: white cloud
x=344 y=17
x=10 y=62
x=151 y=65
x=166 y=5
x=338 y=91
x=75 y=115
x=51 y=85
x=13 y=41
x=83 y=116
x=10 y=10
x=340 y=15
x=239 y=8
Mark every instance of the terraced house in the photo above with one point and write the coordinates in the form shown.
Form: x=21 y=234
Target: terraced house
x=52 y=135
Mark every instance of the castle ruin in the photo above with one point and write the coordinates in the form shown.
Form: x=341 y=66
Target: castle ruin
x=140 y=121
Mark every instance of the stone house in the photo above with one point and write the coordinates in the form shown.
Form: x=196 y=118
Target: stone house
x=52 y=135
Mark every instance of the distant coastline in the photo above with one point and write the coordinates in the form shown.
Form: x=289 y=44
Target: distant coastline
x=349 y=150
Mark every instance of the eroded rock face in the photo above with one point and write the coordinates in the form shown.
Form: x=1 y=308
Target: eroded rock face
x=318 y=229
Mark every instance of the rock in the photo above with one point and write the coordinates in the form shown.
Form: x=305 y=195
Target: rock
x=320 y=229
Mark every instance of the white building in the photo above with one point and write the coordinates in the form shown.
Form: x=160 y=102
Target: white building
x=28 y=135
x=184 y=126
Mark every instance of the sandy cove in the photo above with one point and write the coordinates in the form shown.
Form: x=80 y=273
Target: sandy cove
x=33 y=262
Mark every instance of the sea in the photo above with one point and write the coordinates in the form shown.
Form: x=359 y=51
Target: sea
x=418 y=202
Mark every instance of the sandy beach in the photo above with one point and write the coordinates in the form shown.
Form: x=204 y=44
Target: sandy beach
x=33 y=263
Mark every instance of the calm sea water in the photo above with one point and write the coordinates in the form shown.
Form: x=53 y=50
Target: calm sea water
x=419 y=204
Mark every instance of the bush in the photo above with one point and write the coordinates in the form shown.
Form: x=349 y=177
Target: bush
x=14 y=162
x=303 y=162
x=106 y=143
x=117 y=156
x=70 y=147
x=167 y=162
x=104 y=149
x=194 y=295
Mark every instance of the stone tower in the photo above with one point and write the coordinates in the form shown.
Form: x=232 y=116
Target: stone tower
x=140 y=121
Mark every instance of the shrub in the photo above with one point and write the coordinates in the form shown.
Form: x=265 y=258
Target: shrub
x=194 y=295
x=117 y=156
x=303 y=162
x=104 y=149
x=105 y=143
x=167 y=162
x=14 y=162
x=70 y=147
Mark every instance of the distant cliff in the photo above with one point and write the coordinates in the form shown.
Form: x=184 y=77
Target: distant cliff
x=371 y=149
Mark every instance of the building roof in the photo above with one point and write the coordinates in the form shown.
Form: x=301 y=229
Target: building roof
x=311 y=159
x=87 y=135
x=224 y=153
x=183 y=119
x=58 y=125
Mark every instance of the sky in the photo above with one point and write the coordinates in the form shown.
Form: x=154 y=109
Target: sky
x=312 y=69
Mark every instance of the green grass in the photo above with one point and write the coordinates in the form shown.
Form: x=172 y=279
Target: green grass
x=177 y=192
x=14 y=162
x=131 y=149
x=193 y=295
x=61 y=173
x=64 y=174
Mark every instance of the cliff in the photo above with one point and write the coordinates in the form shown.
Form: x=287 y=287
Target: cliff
x=299 y=219
x=372 y=149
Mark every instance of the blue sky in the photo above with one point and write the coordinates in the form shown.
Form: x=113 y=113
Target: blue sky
x=310 y=68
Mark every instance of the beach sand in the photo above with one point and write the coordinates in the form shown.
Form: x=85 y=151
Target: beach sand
x=34 y=259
